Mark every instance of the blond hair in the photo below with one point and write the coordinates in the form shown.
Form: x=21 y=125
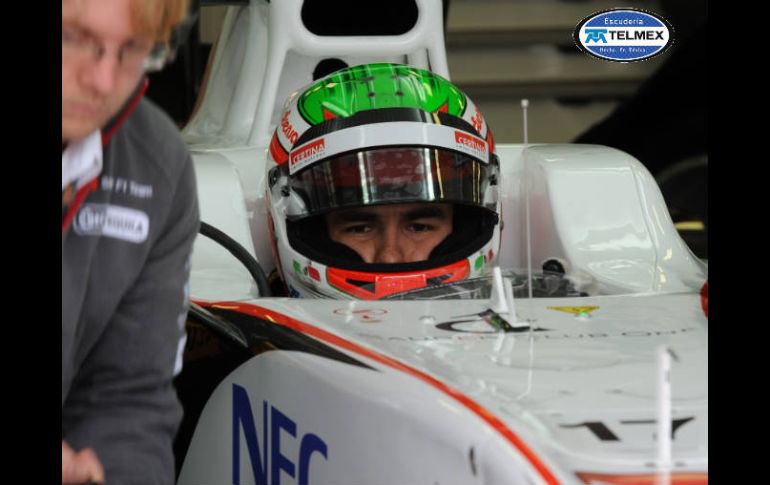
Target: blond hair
x=158 y=18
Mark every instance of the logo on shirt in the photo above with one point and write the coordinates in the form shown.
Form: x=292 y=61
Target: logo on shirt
x=112 y=221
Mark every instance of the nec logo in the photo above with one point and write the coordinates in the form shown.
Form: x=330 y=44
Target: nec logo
x=475 y=144
x=270 y=457
x=308 y=152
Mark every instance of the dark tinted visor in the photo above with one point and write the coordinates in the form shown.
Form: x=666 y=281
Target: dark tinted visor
x=394 y=175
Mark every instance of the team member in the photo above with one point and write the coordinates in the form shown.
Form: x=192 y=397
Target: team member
x=129 y=217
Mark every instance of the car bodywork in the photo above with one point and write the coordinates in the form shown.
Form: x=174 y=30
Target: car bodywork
x=488 y=390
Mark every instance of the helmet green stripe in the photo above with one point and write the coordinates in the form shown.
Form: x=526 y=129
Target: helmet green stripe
x=373 y=86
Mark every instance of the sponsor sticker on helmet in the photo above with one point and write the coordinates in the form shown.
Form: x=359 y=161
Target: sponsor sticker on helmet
x=288 y=129
x=471 y=145
x=624 y=35
x=306 y=154
x=313 y=273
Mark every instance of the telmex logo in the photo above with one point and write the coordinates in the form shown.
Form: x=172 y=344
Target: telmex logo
x=475 y=144
x=624 y=35
x=308 y=151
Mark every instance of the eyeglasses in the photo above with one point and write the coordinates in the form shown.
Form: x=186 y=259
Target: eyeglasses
x=133 y=56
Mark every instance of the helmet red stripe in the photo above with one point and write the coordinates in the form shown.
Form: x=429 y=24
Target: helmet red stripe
x=277 y=151
x=372 y=286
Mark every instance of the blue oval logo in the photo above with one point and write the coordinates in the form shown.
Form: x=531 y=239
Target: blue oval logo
x=624 y=35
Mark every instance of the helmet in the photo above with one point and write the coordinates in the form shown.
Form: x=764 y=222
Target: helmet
x=380 y=134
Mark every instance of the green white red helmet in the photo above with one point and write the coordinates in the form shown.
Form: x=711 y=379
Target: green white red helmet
x=380 y=134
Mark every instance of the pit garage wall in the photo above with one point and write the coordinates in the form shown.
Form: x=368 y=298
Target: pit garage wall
x=500 y=51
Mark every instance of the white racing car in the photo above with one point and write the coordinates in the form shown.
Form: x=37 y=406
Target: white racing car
x=576 y=355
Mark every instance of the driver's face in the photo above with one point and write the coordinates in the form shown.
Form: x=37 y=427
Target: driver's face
x=398 y=233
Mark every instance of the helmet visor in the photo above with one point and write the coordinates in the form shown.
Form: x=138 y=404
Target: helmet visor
x=393 y=175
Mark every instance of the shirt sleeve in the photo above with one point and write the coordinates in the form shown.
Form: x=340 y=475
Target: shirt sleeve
x=126 y=395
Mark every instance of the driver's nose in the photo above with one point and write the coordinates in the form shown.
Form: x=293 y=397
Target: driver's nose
x=389 y=250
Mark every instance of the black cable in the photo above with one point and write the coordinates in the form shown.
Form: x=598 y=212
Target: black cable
x=241 y=254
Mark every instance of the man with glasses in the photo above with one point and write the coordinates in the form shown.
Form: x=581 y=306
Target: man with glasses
x=129 y=218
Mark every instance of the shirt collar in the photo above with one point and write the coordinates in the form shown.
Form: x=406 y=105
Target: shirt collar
x=81 y=161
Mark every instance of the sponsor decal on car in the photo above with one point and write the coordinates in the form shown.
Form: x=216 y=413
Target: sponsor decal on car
x=242 y=412
x=364 y=315
x=624 y=35
x=575 y=310
x=270 y=459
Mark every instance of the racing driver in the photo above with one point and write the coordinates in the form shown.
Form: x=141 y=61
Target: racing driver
x=383 y=180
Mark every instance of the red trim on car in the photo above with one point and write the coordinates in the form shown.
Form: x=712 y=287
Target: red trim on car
x=480 y=411
x=704 y=298
x=679 y=478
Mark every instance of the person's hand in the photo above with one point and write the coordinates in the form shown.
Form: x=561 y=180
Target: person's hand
x=80 y=467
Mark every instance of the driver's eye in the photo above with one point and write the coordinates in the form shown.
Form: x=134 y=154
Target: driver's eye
x=358 y=229
x=418 y=227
